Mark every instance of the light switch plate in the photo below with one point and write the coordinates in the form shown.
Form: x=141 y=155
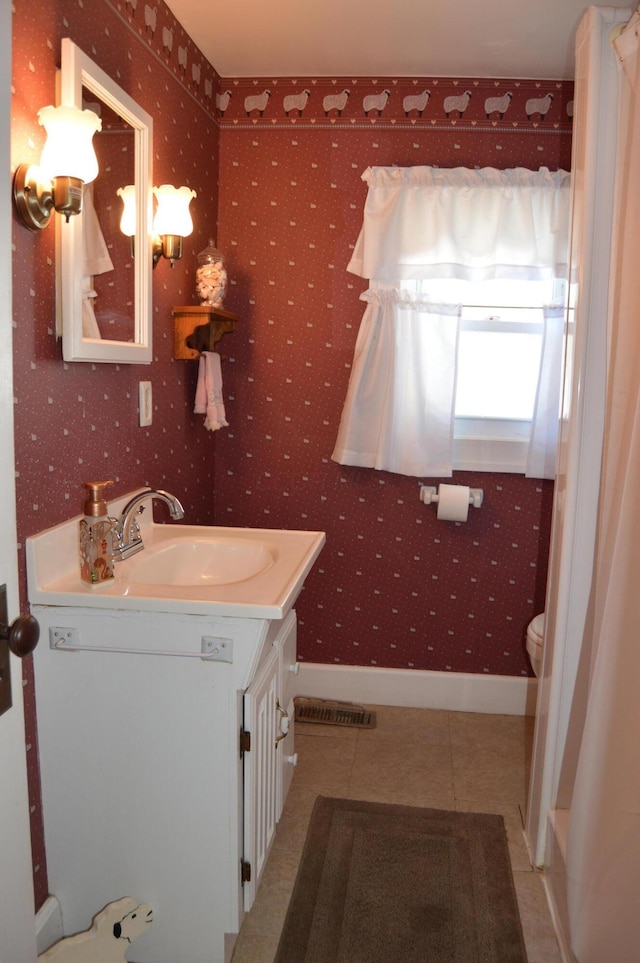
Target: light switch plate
x=5 y=666
x=145 y=403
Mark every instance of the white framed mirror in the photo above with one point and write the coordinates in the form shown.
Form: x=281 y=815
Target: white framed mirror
x=103 y=301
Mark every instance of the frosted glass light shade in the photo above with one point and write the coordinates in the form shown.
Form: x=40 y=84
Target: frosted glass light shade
x=128 y=218
x=172 y=214
x=68 y=151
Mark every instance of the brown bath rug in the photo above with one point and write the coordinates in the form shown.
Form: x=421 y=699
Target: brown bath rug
x=395 y=884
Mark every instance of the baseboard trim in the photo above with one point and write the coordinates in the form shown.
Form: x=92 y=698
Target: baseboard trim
x=48 y=924
x=419 y=689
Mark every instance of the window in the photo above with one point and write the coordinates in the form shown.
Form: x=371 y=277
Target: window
x=498 y=365
x=459 y=354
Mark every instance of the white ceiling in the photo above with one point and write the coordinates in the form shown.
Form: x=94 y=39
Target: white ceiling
x=386 y=38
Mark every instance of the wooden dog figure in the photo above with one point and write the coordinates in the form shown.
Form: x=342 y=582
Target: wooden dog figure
x=113 y=931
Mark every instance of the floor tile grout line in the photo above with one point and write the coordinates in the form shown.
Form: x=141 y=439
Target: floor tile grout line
x=532 y=927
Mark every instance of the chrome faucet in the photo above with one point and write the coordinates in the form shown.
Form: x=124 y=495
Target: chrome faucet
x=127 y=539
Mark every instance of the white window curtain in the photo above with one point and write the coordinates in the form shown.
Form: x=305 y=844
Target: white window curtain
x=428 y=222
x=398 y=415
x=422 y=223
x=543 y=440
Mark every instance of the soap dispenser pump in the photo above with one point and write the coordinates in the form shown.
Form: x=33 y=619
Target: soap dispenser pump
x=96 y=536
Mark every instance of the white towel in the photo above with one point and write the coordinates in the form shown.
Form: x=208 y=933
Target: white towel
x=95 y=253
x=95 y=260
x=209 y=392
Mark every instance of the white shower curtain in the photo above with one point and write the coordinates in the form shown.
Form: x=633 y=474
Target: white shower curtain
x=603 y=846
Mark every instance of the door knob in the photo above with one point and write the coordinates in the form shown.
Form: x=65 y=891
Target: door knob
x=22 y=635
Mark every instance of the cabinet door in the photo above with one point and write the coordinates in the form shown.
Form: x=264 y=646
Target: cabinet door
x=287 y=647
x=260 y=771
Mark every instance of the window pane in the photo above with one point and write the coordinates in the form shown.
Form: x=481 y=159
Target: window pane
x=497 y=364
x=497 y=374
x=497 y=293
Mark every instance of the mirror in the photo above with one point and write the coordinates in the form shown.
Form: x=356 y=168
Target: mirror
x=103 y=300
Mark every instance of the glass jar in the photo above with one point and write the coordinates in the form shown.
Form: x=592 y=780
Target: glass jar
x=211 y=276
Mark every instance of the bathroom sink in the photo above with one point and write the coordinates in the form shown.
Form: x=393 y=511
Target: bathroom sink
x=201 y=562
x=191 y=569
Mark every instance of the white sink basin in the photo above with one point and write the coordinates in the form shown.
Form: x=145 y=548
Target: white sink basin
x=201 y=562
x=192 y=569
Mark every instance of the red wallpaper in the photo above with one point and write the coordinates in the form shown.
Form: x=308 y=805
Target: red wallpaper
x=77 y=422
x=393 y=587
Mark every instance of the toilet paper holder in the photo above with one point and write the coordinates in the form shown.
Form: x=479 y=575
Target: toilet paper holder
x=429 y=494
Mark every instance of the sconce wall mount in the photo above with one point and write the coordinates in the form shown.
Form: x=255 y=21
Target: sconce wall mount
x=168 y=246
x=172 y=221
x=68 y=161
x=171 y=224
x=37 y=196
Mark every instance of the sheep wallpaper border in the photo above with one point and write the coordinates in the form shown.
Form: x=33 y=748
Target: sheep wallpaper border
x=347 y=102
x=170 y=44
x=409 y=103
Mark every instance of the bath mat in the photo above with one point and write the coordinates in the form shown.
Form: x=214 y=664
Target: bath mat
x=381 y=883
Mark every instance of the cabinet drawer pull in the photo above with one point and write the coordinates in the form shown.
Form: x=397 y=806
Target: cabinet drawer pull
x=284 y=722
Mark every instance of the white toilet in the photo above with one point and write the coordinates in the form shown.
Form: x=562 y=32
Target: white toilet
x=535 y=634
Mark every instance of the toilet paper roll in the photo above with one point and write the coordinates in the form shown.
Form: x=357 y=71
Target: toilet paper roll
x=453 y=503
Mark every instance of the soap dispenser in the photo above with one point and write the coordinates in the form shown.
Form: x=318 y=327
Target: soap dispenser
x=96 y=536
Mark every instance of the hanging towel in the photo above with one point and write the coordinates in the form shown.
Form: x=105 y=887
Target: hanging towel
x=95 y=253
x=90 y=327
x=209 y=392
x=95 y=260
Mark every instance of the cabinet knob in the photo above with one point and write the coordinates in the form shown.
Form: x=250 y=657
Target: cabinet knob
x=293 y=760
x=22 y=635
x=294 y=667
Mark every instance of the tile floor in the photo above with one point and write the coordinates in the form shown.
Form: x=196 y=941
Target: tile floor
x=416 y=757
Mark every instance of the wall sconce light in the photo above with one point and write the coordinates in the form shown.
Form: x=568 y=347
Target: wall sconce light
x=67 y=162
x=172 y=221
x=128 y=218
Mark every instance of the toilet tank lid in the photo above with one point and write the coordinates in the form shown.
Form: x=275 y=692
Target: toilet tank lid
x=537 y=625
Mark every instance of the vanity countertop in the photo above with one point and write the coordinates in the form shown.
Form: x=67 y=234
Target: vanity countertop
x=267 y=590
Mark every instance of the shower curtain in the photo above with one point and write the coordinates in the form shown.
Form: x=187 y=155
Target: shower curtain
x=603 y=845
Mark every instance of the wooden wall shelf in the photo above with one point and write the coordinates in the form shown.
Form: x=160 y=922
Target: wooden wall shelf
x=198 y=328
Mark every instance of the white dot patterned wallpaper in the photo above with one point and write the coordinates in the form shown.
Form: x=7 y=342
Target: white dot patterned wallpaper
x=79 y=422
x=393 y=587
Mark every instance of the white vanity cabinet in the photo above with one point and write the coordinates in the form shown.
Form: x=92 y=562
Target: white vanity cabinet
x=146 y=792
x=146 y=688
x=268 y=764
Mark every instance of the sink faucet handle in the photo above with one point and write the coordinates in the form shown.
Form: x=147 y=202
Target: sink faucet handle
x=134 y=526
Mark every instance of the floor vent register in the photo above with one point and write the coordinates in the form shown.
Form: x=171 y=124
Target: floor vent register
x=331 y=713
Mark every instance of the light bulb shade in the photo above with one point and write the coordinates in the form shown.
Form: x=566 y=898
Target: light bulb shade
x=172 y=214
x=128 y=219
x=68 y=151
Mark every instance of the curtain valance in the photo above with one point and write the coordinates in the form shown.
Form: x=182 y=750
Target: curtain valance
x=429 y=222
